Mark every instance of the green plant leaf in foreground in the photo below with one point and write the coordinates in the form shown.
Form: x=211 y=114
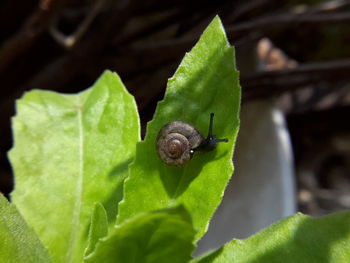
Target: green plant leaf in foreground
x=160 y=236
x=18 y=242
x=98 y=227
x=298 y=238
x=205 y=82
x=70 y=152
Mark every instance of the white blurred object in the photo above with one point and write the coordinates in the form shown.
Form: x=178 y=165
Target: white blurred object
x=262 y=189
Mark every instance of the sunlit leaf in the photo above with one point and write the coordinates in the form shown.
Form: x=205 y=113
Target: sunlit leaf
x=154 y=237
x=18 y=242
x=298 y=238
x=206 y=81
x=98 y=227
x=70 y=152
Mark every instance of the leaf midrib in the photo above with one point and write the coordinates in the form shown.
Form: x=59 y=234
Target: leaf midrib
x=75 y=222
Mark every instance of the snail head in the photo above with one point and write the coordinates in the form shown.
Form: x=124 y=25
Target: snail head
x=211 y=141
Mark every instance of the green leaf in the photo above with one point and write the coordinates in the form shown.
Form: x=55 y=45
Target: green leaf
x=98 y=227
x=18 y=242
x=70 y=152
x=205 y=82
x=298 y=238
x=161 y=236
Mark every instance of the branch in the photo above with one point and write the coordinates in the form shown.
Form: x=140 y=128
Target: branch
x=269 y=83
x=248 y=8
x=56 y=75
x=246 y=30
x=32 y=28
x=68 y=41
x=287 y=20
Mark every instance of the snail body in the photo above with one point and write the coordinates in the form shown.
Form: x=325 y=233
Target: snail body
x=178 y=140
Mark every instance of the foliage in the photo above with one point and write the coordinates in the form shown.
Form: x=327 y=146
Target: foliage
x=72 y=154
x=206 y=81
x=19 y=243
x=160 y=236
x=298 y=238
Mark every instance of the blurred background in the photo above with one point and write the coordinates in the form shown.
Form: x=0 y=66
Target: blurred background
x=294 y=59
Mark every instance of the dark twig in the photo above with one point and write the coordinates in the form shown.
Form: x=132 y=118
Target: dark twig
x=269 y=23
x=32 y=28
x=69 y=66
x=70 y=40
x=248 y=7
x=269 y=83
x=155 y=27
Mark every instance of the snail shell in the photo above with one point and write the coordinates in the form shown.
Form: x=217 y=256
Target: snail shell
x=176 y=142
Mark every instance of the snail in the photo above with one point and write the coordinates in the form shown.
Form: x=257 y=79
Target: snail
x=177 y=141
